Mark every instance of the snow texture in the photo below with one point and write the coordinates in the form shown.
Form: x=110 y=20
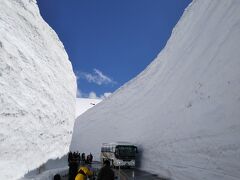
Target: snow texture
x=37 y=90
x=60 y=165
x=183 y=109
x=83 y=104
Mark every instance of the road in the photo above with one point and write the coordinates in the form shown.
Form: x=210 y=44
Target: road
x=128 y=174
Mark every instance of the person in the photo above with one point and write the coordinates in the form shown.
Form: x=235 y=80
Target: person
x=73 y=166
x=57 y=177
x=83 y=157
x=70 y=156
x=106 y=173
x=88 y=159
x=91 y=157
x=78 y=158
x=83 y=173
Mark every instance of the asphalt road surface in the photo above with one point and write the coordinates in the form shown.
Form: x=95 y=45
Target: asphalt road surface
x=127 y=174
x=130 y=174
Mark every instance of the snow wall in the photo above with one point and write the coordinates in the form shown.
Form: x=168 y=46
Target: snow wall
x=37 y=90
x=183 y=110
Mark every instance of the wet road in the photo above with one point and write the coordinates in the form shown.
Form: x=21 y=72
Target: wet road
x=128 y=174
x=122 y=174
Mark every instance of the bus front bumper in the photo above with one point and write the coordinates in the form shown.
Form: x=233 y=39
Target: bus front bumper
x=125 y=163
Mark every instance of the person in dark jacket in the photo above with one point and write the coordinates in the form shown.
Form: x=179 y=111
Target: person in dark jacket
x=73 y=164
x=57 y=177
x=91 y=157
x=73 y=169
x=106 y=173
x=83 y=157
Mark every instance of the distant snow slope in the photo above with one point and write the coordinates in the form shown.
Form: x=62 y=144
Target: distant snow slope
x=83 y=104
x=37 y=90
x=184 y=109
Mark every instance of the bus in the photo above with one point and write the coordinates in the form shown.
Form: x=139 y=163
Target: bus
x=119 y=154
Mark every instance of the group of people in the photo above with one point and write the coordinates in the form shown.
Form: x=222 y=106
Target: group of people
x=87 y=160
x=75 y=159
x=105 y=173
x=80 y=158
x=85 y=172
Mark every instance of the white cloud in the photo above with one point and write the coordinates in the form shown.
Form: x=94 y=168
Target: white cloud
x=105 y=95
x=93 y=95
x=97 y=77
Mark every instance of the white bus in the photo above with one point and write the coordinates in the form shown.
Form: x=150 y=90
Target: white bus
x=119 y=154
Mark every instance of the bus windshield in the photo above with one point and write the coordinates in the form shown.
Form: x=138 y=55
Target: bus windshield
x=126 y=151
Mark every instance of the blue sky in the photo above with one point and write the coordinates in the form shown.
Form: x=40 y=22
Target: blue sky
x=111 y=41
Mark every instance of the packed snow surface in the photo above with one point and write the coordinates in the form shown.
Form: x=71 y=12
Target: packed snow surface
x=183 y=110
x=60 y=165
x=83 y=104
x=37 y=90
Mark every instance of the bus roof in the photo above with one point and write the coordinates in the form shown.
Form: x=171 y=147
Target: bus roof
x=118 y=143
